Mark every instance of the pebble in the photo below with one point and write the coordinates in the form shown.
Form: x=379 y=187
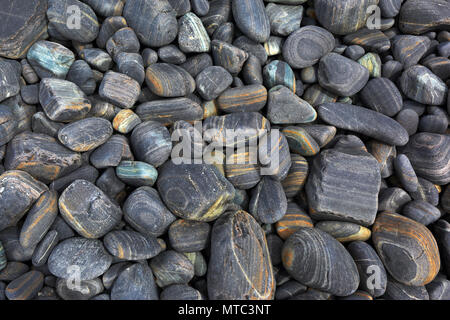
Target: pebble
x=180 y=292
x=312 y=257
x=249 y=98
x=439 y=289
x=417 y=17
x=371 y=40
x=13 y=270
x=239 y=266
x=179 y=186
x=357 y=177
x=399 y=291
x=111 y=153
x=123 y=40
x=219 y=12
x=341 y=75
x=426 y=191
x=192 y=35
x=322 y=134
x=285 y=107
x=82 y=75
x=125 y=121
x=171 y=54
x=86 y=289
x=274 y=156
x=149 y=18
x=136 y=282
x=61 y=20
x=83 y=197
x=344 y=231
x=50 y=59
x=150 y=142
x=420 y=84
x=429 y=154
x=228 y=56
x=354 y=52
x=18 y=191
x=212 y=81
x=97 y=58
x=372 y=62
x=251 y=18
x=189 y=236
x=284 y=19
x=296 y=177
x=381 y=95
x=168 y=80
x=385 y=155
x=398 y=239
x=8 y=126
x=268 y=203
x=109 y=26
x=131 y=245
x=373 y=277
x=405 y=172
x=119 y=89
x=279 y=73
x=87 y=258
x=392 y=199
x=44 y=248
x=25 y=287
x=242 y=171
x=300 y=141
x=10 y=79
x=409 y=120
x=319 y=42
x=364 y=121
x=171 y=267
x=408 y=50
x=422 y=212
x=3 y=260
x=136 y=173
x=86 y=134
x=441 y=230
x=145 y=212
x=433 y=124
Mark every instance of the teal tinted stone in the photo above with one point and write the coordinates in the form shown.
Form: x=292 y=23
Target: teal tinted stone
x=50 y=59
x=279 y=72
x=137 y=173
x=3 y=260
x=372 y=62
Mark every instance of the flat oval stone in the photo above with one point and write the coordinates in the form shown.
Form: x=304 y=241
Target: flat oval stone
x=171 y=267
x=50 y=59
x=420 y=84
x=240 y=265
x=136 y=173
x=131 y=245
x=422 y=212
x=343 y=17
x=337 y=190
x=119 y=89
x=429 y=155
x=189 y=236
x=296 y=177
x=344 y=231
x=314 y=258
x=341 y=75
x=87 y=257
x=405 y=172
x=18 y=191
x=153 y=21
x=196 y=192
x=249 y=98
x=62 y=100
x=41 y=156
x=212 y=81
x=168 y=80
x=408 y=50
x=417 y=17
x=228 y=56
x=192 y=35
x=251 y=18
x=285 y=107
x=300 y=141
x=107 y=8
x=26 y=287
x=279 y=73
x=151 y=143
x=433 y=124
x=60 y=15
x=39 y=219
x=25 y=23
x=44 y=248
x=241 y=171
x=370 y=123
x=407 y=248
x=372 y=274
x=381 y=95
x=284 y=19
x=13 y=270
x=88 y=210
x=305 y=46
x=86 y=134
x=168 y=111
x=145 y=212
x=135 y=283
x=268 y=203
